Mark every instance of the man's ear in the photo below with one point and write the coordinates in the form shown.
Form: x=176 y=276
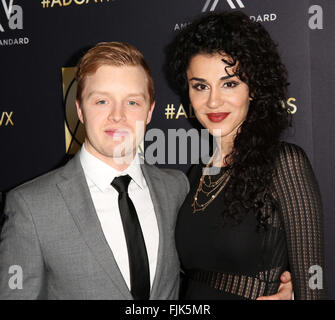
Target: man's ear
x=79 y=112
x=150 y=112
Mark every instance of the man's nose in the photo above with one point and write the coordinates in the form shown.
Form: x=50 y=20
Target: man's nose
x=116 y=113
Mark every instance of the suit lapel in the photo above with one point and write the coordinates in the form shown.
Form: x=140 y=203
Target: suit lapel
x=78 y=200
x=160 y=204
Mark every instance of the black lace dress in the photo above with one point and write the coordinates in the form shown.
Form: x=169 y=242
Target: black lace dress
x=238 y=262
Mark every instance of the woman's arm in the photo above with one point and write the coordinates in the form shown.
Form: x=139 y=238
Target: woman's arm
x=299 y=201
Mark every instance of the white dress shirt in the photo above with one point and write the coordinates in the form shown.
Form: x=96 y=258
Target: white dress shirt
x=99 y=176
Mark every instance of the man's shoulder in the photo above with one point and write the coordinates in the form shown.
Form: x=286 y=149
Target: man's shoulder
x=166 y=173
x=171 y=177
x=42 y=184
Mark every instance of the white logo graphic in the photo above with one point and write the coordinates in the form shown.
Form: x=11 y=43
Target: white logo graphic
x=215 y=3
x=239 y=3
x=14 y=14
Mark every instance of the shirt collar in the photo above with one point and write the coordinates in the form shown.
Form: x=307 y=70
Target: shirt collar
x=102 y=174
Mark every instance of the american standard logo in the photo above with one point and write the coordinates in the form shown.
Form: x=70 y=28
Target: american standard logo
x=212 y=5
x=14 y=16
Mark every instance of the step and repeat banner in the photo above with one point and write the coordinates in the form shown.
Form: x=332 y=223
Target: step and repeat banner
x=41 y=41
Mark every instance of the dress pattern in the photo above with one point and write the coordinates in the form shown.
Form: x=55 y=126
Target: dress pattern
x=232 y=261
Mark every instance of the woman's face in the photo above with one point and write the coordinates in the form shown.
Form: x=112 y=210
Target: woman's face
x=220 y=100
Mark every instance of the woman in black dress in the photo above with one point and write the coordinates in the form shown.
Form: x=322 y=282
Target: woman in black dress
x=254 y=210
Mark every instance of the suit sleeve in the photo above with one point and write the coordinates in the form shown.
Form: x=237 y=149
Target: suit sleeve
x=21 y=261
x=186 y=183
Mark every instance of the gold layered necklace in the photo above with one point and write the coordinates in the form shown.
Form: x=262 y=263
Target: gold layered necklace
x=209 y=188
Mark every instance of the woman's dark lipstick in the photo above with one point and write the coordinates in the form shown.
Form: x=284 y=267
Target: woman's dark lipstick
x=217 y=116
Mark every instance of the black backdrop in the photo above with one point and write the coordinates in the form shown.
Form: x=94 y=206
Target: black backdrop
x=39 y=38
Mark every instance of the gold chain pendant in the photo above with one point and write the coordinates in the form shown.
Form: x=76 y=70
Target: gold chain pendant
x=219 y=183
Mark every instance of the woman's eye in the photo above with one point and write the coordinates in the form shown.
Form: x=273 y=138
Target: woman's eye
x=230 y=84
x=199 y=86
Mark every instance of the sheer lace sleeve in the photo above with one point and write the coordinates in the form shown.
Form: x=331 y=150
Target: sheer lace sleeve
x=299 y=200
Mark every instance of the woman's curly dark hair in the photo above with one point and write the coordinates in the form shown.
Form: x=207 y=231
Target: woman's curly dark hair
x=258 y=64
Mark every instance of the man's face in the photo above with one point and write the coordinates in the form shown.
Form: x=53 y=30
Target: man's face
x=115 y=109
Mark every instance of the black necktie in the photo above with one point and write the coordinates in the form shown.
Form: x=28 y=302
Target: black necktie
x=137 y=253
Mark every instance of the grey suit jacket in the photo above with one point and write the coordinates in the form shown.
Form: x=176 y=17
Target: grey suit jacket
x=53 y=234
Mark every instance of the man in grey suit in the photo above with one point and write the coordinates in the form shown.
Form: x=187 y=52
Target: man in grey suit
x=102 y=226
x=64 y=237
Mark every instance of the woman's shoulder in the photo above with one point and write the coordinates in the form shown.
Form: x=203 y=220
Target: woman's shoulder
x=291 y=151
x=291 y=155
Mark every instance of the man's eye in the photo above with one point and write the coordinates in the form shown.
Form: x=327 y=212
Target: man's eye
x=199 y=86
x=101 y=102
x=132 y=103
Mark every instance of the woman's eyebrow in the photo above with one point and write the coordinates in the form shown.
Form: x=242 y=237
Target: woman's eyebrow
x=204 y=80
